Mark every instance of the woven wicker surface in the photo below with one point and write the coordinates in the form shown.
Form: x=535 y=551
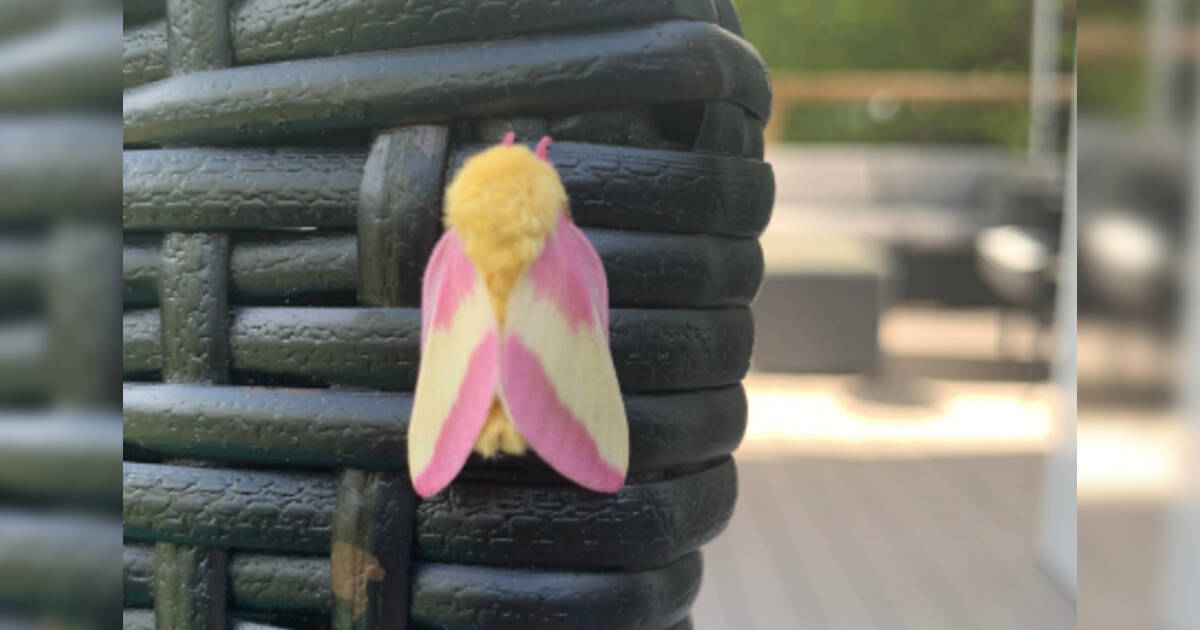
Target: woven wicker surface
x=284 y=167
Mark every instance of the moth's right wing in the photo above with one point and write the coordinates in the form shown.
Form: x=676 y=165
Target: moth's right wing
x=459 y=367
x=557 y=379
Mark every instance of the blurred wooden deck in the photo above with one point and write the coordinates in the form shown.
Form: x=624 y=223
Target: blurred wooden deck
x=906 y=501
x=890 y=543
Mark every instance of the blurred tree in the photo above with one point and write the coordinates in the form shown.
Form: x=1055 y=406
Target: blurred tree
x=987 y=35
x=940 y=35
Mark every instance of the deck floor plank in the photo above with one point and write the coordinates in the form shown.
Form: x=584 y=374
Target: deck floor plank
x=921 y=543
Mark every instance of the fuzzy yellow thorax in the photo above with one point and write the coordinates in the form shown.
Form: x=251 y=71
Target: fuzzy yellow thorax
x=503 y=203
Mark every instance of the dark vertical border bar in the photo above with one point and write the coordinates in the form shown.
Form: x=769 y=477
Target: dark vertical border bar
x=399 y=219
x=84 y=312
x=193 y=294
x=399 y=213
x=372 y=548
x=190 y=584
x=198 y=35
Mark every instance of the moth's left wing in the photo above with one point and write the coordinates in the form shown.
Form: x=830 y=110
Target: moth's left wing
x=557 y=379
x=459 y=367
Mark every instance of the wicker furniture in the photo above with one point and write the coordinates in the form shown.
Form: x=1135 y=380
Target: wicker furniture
x=283 y=173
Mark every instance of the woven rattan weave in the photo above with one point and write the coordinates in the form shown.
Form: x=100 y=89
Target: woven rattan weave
x=284 y=166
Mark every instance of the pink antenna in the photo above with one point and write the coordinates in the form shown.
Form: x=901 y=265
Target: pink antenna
x=543 y=148
x=509 y=138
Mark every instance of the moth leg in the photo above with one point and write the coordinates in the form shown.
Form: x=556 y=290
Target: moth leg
x=511 y=441
x=488 y=443
x=499 y=435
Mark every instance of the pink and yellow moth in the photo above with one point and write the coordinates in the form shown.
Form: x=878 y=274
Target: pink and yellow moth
x=514 y=335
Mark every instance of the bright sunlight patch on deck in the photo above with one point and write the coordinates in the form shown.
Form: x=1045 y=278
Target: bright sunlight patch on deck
x=1130 y=459
x=801 y=414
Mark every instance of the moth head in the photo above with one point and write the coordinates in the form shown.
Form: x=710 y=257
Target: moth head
x=506 y=192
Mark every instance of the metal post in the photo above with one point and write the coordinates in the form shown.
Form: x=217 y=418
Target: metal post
x=1057 y=516
x=1181 y=555
x=1162 y=37
x=1043 y=77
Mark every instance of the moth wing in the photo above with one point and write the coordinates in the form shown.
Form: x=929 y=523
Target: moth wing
x=459 y=368
x=557 y=379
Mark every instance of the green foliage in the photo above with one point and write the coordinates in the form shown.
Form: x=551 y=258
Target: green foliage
x=938 y=35
x=1116 y=89
x=990 y=35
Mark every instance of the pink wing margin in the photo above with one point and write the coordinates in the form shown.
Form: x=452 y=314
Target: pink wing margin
x=459 y=368
x=557 y=379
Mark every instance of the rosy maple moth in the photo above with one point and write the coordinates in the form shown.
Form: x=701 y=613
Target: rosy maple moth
x=514 y=332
